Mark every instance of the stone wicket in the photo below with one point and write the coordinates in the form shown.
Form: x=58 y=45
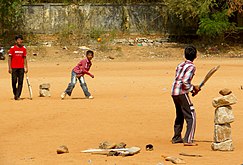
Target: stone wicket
x=223 y=117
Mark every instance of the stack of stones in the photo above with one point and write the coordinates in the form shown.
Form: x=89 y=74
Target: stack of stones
x=223 y=117
x=45 y=90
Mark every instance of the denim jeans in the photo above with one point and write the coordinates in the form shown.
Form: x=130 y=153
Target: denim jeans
x=73 y=82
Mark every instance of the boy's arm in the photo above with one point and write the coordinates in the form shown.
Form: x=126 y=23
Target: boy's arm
x=25 y=65
x=9 y=64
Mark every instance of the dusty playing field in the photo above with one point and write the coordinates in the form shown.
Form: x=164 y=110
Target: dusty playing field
x=132 y=104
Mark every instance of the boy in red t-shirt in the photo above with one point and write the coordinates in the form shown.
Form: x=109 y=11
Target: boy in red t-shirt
x=17 y=64
x=78 y=72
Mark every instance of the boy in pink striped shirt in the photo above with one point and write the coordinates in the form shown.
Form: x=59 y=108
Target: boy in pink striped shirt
x=180 y=93
x=78 y=72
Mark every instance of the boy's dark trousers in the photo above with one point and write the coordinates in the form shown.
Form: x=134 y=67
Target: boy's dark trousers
x=17 y=81
x=184 y=110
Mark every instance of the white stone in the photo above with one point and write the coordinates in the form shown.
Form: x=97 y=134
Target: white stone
x=224 y=115
x=150 y=41
x=144 y=44
x=45 y=93
x=223 y=146
x=157 y=43
x=120 y=41
x=131 y=41
x=84 y=48
x=222 y=133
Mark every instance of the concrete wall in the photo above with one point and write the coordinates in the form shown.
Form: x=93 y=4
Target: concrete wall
x=52 y=18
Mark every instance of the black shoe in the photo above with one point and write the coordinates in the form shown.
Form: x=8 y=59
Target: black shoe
x=16 y=98
x=177 y=141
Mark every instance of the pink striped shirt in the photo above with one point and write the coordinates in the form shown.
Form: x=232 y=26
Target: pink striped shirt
x=83 y=67
x=184 y=74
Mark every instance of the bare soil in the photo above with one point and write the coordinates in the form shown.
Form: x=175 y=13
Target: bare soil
x=132 y=104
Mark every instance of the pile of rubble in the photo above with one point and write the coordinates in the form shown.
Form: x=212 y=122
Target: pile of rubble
x=141 y=41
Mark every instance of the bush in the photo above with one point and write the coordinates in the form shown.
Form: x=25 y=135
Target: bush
x=215 y=25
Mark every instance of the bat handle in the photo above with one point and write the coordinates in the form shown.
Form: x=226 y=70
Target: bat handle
x=193 y=94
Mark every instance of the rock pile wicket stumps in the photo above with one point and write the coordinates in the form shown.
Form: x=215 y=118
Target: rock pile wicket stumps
x=223 y=117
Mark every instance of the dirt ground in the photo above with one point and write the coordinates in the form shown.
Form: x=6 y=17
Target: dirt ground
x=132 y=104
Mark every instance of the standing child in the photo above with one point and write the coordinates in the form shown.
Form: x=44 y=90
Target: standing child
x=17 y=64
x=78 y=72
x=180 y=93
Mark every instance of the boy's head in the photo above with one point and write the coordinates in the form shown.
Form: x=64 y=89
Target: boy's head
x=190 y=53
x=19 y=40
x=90 y=54
x=18 y=37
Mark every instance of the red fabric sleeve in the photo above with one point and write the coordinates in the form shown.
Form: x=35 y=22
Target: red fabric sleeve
x=82 y=65
x=10 y=51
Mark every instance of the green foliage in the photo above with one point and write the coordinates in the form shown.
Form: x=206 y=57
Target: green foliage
x=213 y=15
x=10 y=23
x=215 y=25
x=94 y=1
x=69 y=35
x=96 y=33
x=185 y=9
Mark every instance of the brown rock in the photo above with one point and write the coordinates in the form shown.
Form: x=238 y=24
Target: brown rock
x=45 y=86
x=62 y=149
x=107 y=145
x=222 y=133
x=121 y=145
x=224 y=115
x=223 y=146
x=224 y=100
x=225 y=91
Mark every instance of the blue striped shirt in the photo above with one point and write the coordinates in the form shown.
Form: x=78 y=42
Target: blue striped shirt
x=184 y=74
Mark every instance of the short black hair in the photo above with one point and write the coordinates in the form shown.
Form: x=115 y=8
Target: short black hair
x=19 y=36
x=90 y=52
x=190 y=53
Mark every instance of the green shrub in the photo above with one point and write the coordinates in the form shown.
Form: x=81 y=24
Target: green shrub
x=214 y=25
x=96 y=33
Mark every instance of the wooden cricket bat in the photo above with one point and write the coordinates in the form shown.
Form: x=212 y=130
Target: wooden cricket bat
x=29 y=87
x=208 y=75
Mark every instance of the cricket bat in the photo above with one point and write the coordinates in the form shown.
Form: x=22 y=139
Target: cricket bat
x=29 y=87
x=209 y=74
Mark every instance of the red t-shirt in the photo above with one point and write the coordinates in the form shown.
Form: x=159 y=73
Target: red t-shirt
x=18 y=54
